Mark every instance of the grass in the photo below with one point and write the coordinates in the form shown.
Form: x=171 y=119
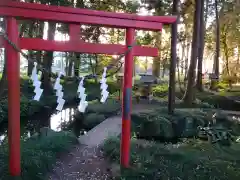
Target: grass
x=194 y=160
x=38 y=155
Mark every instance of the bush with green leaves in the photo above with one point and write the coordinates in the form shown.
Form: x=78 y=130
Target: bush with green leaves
x=28 y=107
x=222 y=85
x=159 y=125
x=156 y=128
x=160 y=90
x=109 y=108
x=180 y=104
x=191 y=160
x=218 y=101
x=92 y=119
x=229 y=80
x=38 y=155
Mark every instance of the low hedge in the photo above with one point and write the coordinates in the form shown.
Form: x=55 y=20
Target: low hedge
x=218 y=101
x=161 y=126
x=39 y=154
x=160 y=90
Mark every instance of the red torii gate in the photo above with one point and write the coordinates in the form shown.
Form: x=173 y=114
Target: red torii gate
x=74 y=17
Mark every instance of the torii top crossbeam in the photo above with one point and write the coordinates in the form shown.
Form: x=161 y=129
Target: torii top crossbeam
x=84 y=16
x=74 y=17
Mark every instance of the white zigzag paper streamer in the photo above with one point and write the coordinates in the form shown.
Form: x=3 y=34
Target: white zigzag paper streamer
x=83 y=103
x=36 y=83
x=104 y=86
x=59 y=93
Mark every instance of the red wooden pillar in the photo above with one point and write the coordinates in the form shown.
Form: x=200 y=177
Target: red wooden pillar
x=13 y=77
x=127 y=100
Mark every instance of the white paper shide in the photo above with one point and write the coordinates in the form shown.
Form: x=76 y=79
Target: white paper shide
x=59 y=92
x=104 y=86
x=36 y=83
x=82 y=96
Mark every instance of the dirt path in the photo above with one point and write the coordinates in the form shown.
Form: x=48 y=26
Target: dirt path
x=82 y=163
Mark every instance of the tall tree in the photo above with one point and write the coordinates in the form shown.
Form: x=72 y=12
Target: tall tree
x=201 y=45
x=48 y=57
x=47 y=62
x=173 y=61
x=217 y=53
x=216 y=70
x=189 y=95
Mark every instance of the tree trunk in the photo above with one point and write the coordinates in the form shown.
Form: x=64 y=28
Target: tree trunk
x=30 y=53
x=179 y=75
x=173 y=61
x=217 y=54
x=3 y=81
x=96 y=67
x=39 y=54
x=238 y=55
x=77 y=64
x=202 y=25
x=70 y=65
x=146 y=65
x=163 y=71
x=186 y=64
x=189 y=95
x=182 y=58
x=225 y=48
x=156 y=62
x=47 y=62
x=217 y=41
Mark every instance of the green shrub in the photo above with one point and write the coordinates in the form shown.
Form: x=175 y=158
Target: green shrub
x=38 y=155
x=156 y=128
x=160 y=90
x=218 y=101
x=196 y=104
x=229 y=80
x=222 y=85
x=92 y=119
x=27 y=106
x=159 y=125
x=2 y=114
x=113 y=86
x=109 y=108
